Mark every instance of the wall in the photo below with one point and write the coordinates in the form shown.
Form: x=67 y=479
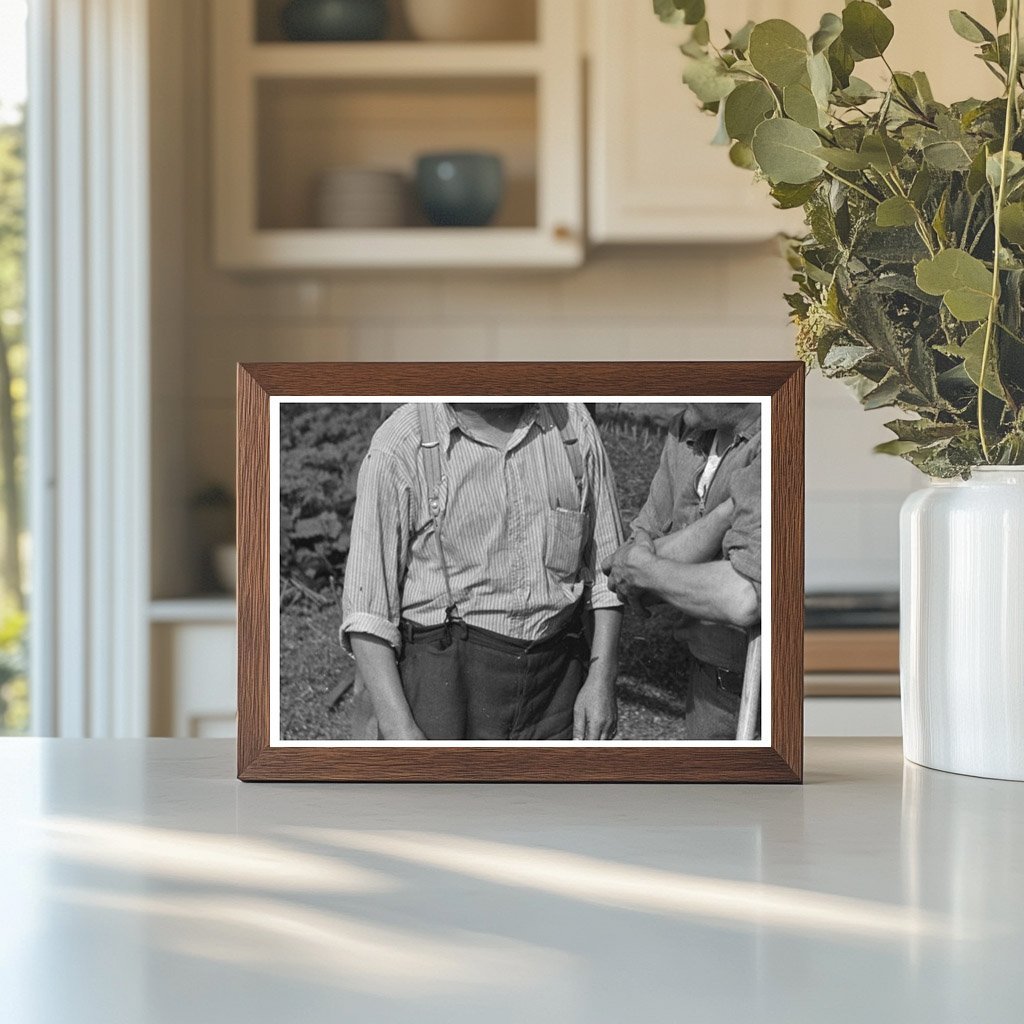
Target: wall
x=664 y=303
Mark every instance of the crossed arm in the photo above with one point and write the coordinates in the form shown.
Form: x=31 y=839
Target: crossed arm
x=683 y=569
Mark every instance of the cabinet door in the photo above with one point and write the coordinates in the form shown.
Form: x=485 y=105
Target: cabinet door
x=654 y=175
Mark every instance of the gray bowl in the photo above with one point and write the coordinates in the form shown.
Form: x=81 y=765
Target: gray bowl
x=461 y=190
x=334 y=20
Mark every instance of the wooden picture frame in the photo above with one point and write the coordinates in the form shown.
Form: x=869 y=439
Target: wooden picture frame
x=778 y=759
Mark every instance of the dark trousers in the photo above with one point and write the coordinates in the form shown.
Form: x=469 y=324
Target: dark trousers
x=713 y=702
x=464 y=683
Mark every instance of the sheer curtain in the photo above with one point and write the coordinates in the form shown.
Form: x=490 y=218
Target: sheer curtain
x=88 y=300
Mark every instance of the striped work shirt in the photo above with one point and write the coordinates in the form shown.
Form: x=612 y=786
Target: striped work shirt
x=522 y=548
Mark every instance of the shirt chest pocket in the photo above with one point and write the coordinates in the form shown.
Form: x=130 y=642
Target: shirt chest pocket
x=565 y=534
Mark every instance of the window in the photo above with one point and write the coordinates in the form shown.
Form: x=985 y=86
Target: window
x=14 y=548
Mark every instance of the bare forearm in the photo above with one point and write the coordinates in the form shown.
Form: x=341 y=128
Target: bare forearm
x=700 y=541
x=713 y=591
x=375 y=660
x=604 y=651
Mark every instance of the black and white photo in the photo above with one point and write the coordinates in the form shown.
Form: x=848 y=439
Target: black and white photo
x=520 y=570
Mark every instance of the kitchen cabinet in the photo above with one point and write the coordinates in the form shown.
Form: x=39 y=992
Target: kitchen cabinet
x=287 y=113
x=192 y=649
x=653 y=175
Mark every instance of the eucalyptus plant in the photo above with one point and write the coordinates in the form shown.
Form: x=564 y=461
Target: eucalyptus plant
x=909 y=280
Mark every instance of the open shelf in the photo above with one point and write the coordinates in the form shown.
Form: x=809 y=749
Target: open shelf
x=393 y=60
x=286 y=114
x=407 y=248
x=520 y=17
x=308 y=127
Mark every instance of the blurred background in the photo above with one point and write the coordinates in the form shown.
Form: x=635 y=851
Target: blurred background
x=247 y=180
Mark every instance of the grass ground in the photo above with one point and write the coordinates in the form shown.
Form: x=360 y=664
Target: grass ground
x=651 y=694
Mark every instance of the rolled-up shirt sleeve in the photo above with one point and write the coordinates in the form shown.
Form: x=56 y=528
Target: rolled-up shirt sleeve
x=608 y=535
x=655 y=518
x=372 y=599
x=742 y=542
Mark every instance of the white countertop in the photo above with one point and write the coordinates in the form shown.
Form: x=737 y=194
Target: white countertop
x=143 y=885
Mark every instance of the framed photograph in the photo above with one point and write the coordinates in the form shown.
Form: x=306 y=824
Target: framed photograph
x=520 y=572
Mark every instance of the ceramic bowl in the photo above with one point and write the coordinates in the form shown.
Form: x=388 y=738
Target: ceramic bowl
x=334 y=20
x=469 y=20
x=358 y=197
x=460 y=189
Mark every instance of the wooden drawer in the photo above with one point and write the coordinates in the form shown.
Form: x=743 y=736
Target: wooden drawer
x=852 y=650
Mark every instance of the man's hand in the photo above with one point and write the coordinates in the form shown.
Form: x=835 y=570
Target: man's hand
x=620 y=568
x=405 y=729
x=641 y=541
x=375 y=661
x=595 y=716
x=626 y=578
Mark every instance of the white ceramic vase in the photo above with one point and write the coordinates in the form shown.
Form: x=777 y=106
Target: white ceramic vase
x=962 y=624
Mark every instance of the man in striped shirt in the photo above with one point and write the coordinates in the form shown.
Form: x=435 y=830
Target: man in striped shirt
x=476 y=541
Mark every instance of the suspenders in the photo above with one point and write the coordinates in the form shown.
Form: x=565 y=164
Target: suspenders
x=434 y=477
x=571 y=444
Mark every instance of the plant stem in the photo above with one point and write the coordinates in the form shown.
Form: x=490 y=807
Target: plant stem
x=1000 y=199
x=853 y=185
x=922 y=225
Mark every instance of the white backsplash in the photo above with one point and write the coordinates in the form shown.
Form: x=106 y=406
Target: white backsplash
x=702 y=303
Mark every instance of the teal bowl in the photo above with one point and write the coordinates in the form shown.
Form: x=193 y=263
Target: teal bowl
x=334 y=21
x=460 y=190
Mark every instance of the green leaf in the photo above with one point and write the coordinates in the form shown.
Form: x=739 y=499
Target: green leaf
x=841 y=60
x=896 y=212
x=971 y=352
x=999 y=6
x=745 y=108
x=963 y=281
x=883 y=153
x=924 y=87
x=858 y=91
x=1012 y=226
x=829 y=31
x=820 y=76
x=896 y=447
x=866 y=29
x=800 y=105
x=923 y=431
x=994 y=169
x=885 y=394
x=785 y=152
x=946 y=156
x=708 y=80
x=789 y=197
x=921 y=185
x=739 y=41
x=779 y=51
x=939 y=220
x=676 y=12
x=969 y=28
x=976 y=174
x=844 y=159
x=906 y=89
x=741 y=155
